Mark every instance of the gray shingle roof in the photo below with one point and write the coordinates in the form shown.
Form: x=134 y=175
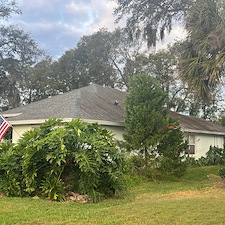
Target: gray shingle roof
x=197 y=124
x=96 y=102
x=93 y=102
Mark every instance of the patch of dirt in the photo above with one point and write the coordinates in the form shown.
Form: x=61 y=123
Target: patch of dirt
x=186 y=194
x=211 y=192
x=214 y=178
x=217 y=191
x=219 y=185
x=174 y=195
x=2 y=195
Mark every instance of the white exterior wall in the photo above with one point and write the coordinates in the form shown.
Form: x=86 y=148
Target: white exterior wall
x=117 y=131
x=18 y=130
x=204 y=141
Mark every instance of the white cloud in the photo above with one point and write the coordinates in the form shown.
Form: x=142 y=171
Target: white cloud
x=57 y=25
x=177 y=34
x=105 y=19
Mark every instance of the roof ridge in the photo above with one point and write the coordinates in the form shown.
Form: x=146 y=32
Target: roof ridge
x=94 y=85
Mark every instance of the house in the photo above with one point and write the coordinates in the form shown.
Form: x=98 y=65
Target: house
x=93 y=103
x=104 y=105
x=200 y=134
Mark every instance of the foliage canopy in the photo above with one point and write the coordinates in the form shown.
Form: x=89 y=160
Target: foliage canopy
x=151 y=18
x=17 y=52
x=202 y=61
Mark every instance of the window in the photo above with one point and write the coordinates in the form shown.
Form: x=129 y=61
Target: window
x=190 y=138
x=190 y=150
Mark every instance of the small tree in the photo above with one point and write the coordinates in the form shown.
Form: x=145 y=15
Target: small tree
x=149 y=129
x=145 y=118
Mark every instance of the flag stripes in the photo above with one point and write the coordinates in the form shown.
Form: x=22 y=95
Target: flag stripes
x=4 y=127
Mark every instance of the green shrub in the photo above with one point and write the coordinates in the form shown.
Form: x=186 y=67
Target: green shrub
x=11 y=181
x=171 y=150
x=60 y=157
x=158 y=167
x=215 y=156
x=222 y=173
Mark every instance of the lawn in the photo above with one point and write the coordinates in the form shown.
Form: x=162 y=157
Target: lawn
x=194 y=199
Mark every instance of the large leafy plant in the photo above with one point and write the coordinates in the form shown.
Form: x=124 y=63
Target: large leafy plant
x=60 y=157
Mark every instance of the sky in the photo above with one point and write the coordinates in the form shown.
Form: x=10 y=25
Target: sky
x=57 y=25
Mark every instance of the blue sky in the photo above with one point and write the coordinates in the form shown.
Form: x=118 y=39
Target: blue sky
x=57 y=25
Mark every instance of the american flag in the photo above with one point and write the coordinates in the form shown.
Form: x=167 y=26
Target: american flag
x=4 y=126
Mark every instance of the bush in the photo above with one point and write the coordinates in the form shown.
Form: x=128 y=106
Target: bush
x=11 y=181
x=60 y=157
x=215 y=156
x=136 y=167
x=158 y=167
x=171 y=150
x=222 y=173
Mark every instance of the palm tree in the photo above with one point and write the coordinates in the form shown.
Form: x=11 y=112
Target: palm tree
x=203 y=58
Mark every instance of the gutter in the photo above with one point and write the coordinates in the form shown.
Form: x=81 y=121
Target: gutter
x=40 y=121
x=106 y=123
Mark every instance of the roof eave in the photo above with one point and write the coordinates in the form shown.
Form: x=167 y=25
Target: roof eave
x=39 y=121
x=203 y=132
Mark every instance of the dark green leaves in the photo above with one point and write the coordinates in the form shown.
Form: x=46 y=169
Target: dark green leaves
x=18 y=51
x=144 y=118
x=146 y=128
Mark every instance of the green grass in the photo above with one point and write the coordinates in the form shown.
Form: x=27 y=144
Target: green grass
x=190 y=200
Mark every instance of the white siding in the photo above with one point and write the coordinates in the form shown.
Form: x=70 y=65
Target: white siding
x=204 y=141
x=18 y=130
x=117 y=131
